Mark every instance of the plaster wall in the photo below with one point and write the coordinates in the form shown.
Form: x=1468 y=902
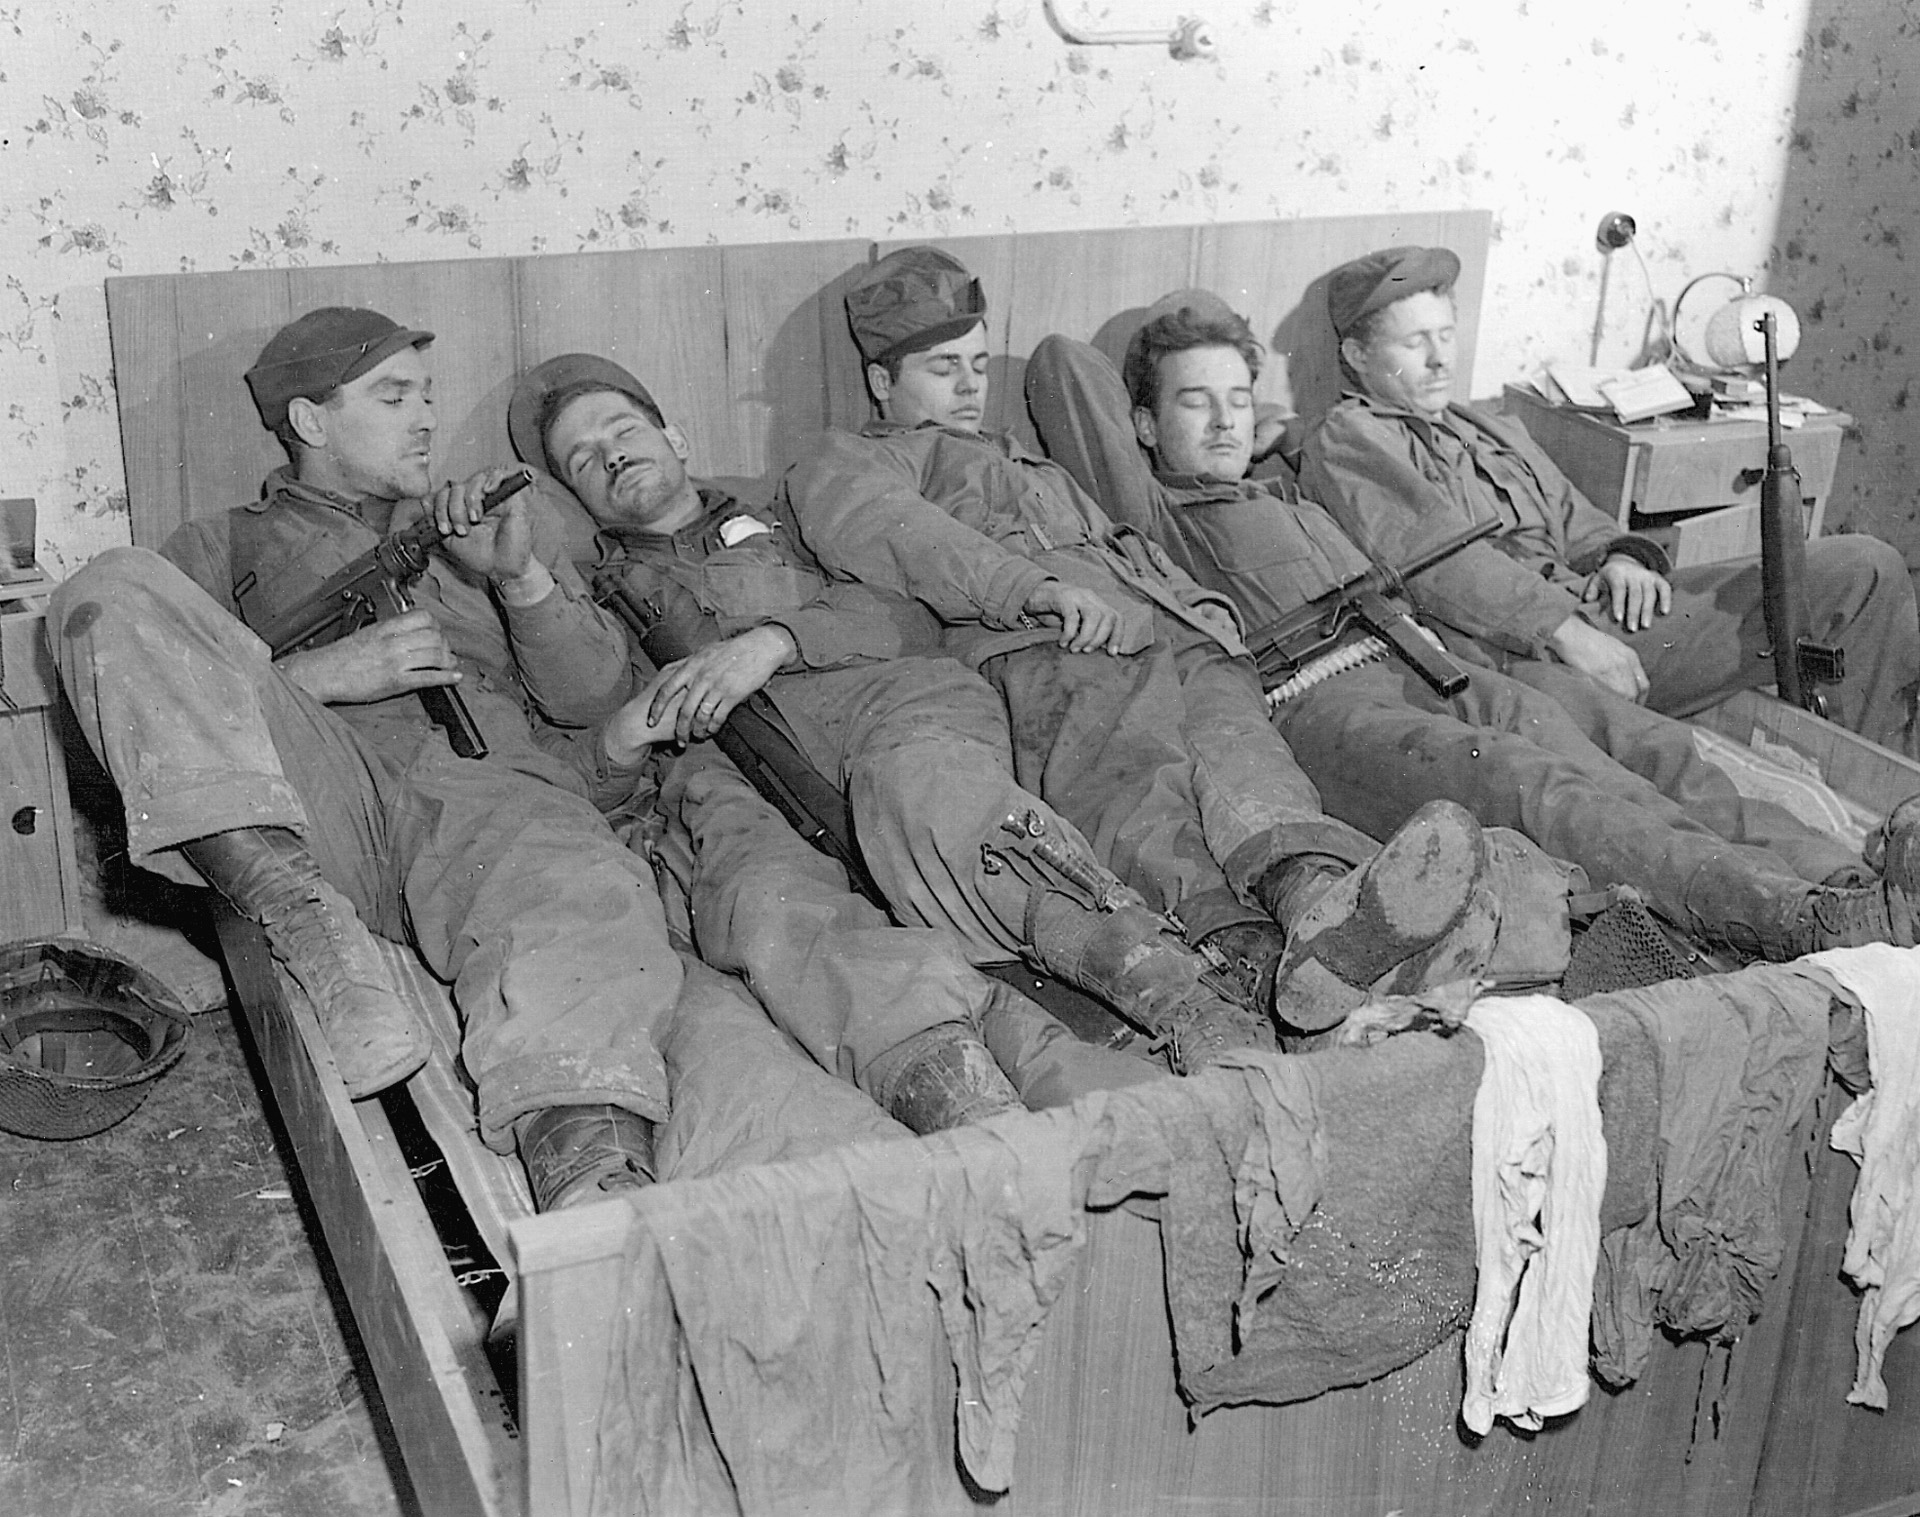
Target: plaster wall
x=190 y=135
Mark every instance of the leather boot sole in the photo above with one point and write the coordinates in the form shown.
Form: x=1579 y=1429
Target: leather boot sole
x=1397 y=905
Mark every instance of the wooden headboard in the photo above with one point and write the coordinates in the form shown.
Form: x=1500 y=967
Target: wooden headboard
x=746 y=347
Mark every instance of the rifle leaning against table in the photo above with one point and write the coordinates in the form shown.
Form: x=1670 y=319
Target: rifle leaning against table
x=1317 y=641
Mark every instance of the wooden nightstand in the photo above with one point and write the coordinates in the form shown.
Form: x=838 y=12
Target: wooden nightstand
x=1693 y=485
x=39 y=876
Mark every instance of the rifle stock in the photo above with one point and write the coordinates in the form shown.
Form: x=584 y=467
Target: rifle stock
x=374 y=588
x=1289 y=643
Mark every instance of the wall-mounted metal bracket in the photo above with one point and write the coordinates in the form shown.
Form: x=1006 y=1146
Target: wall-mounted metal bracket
x=1189 y=38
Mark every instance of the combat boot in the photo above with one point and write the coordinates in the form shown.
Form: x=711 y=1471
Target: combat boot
x=1249 y=955
x=1130 y=960
x=269 y=877
x=1828 y=918
x=939 y=1078
x=1395 y=911
x=578 y=1154
x=1894 y=849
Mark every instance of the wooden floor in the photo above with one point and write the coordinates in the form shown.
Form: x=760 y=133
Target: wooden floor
x=169 y=1341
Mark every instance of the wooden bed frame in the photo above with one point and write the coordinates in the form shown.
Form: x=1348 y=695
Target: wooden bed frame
x=756 y=334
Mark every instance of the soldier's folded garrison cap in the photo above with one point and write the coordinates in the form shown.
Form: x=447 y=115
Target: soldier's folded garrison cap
x=912 y=299
x=529 y=412
x=1356 y=290
x=315 y=354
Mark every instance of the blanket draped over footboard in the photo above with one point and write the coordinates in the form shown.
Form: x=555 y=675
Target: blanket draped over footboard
x=1316 y=1229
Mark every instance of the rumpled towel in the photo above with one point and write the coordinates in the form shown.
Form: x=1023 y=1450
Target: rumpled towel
x=778 y=1322
x=1881 y=1129
x=1740 y=1060
x=1539 y=1167
x=1380 y=1270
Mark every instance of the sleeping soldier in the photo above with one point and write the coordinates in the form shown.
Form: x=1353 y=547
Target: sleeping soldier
x=916 y=743
x=315 y=794
x=1375 y=738
x=1562 y=598
x=1132 y=708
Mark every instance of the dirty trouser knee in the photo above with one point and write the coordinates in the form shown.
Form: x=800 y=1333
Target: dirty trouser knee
x=1377 y=756
x=1859 y=598
x=830 y=968
x=1257 y=805
x=551 y=932
x=171 y=692
x=511 y=888
x=1102 y=740
x=1660 y=750
x=921 y=748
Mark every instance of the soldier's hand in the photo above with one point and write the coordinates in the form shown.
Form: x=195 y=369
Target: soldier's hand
x=383 y=659
x=1603 y=658
x=699 y=692
x=1087 y=623
x=1634 y=593
x=631 y=730
x=497 y=547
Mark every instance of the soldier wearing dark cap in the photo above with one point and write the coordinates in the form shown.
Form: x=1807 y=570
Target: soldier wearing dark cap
x=1565 y=599
x=1134 y=711
x=1369 y=731
x=316 y=795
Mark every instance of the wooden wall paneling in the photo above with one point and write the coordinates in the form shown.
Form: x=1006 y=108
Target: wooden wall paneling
x=190 y=352
x=468 y=304
x=142 y=324
x=1275 y=273
x=992 y=261
x=791 y=363
x=660 y=314
x=1086 y=285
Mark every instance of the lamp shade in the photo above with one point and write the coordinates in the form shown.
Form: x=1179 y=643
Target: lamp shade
x=1733 y=339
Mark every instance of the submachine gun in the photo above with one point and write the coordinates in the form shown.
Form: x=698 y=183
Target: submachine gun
x=1799 y=663
x=756 y=740
x=375 y=588
x=1288 y=648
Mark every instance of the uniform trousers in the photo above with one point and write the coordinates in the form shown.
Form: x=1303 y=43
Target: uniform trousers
x=1165 y=759
x=1379 y=743
x=1714 y=642
x=832 y=970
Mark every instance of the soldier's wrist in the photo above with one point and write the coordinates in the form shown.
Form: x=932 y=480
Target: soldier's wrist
x=527 y=588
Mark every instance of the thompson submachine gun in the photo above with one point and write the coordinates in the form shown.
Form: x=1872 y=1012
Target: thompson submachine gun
x=1290 y=647
x=1799 y=663
x=374 y=588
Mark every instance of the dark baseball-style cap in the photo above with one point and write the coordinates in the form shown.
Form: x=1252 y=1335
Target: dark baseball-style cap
x=910 y=300
x=1356 y=290
x=317 y=353
x=528 y=412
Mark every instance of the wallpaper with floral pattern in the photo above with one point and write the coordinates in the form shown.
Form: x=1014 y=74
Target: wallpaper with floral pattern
x=1849 y=215
x=197 y=135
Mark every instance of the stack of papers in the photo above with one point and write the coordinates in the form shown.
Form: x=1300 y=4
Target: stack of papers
x=1628 y=394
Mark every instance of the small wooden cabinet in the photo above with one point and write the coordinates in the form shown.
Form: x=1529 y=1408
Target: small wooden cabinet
x=1692 y=485
x=39 y=874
